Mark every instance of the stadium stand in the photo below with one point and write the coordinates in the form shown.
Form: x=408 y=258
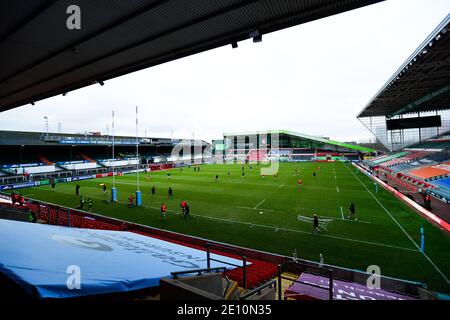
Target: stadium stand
x=409 y=157
x=387 y=158
x=435 y=144
x=416 y=172
x=429 y=172
x=256 y=155
x=43 y=156
x=445 y=182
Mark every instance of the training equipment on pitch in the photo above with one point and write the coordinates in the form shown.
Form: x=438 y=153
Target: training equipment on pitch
x=323 y=223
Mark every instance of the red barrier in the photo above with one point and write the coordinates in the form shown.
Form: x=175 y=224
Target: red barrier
x=164 y=166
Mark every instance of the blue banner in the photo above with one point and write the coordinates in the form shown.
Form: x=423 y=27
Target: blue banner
x=18 y=185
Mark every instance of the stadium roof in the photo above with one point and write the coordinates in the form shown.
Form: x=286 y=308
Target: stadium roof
x=422 y=83
x=40 y=57
x=28 y=138
x=305 y=136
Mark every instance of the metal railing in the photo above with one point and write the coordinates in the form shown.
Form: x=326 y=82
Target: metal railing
x=199 y=272
x=299 y=268
x=225 y=248
x=257 y=291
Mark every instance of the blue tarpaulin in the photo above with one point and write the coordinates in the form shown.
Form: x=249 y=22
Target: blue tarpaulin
x=50 y=261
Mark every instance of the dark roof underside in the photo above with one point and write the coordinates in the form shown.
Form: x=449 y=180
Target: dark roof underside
x=422 y=83
x=40 y=57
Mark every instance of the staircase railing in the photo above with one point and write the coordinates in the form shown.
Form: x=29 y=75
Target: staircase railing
x=257 y=291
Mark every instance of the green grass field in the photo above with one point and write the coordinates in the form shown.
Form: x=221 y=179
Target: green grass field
x=262 y=213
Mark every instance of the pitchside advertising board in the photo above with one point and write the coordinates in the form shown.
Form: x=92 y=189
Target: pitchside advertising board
x=29 y=184
x=18 y=185
x=107 y=142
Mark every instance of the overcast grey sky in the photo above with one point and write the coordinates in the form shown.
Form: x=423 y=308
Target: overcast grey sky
x=313 y=78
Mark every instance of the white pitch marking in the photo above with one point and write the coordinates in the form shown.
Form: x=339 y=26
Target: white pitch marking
x=337 y=188
x=346 y=220
x=282 y=186
x=251 y=208
x=229 y=221
x=342 y=213
x=404 y=231
x=259 y=204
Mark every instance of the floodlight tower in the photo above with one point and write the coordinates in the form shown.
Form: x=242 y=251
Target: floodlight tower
x=46 y=125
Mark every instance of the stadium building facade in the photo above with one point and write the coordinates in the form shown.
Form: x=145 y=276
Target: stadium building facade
x=285 y=146
x=65 y=153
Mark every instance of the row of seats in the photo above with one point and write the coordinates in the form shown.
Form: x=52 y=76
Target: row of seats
x=60 y=216
x=406 y=158
x=301 y=158
x=444 y=182
x=256 y=155
x=404 y=183
x=257 y=271
x=442 y=191
x=443 y=144
x=386 y=158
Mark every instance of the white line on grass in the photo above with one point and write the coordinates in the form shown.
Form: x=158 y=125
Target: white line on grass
x=259 y=204
x=241 y=207
x=342 y=213
x=305 y=232
x=282 y=186
x=401 y=228
x=230 y=221
x=337 y=188
x=345 y=220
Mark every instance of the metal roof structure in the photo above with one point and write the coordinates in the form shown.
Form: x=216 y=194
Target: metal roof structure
x=305 y=136
x=29 y=138
x=421 y=84
x=40 y=57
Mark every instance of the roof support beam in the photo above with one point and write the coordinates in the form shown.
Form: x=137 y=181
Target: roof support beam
x=138 y=43
x=106 y=28
x=409 y=107
x=27 y=20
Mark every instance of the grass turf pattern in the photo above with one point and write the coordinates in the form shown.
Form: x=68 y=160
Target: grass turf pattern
x=262 y=213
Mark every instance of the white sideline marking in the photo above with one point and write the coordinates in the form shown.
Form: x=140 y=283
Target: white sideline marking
x=342 y=213
x=241 y=207
x=404 y=231
x=259 y=204
x=304 y=232
x=346 y=220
